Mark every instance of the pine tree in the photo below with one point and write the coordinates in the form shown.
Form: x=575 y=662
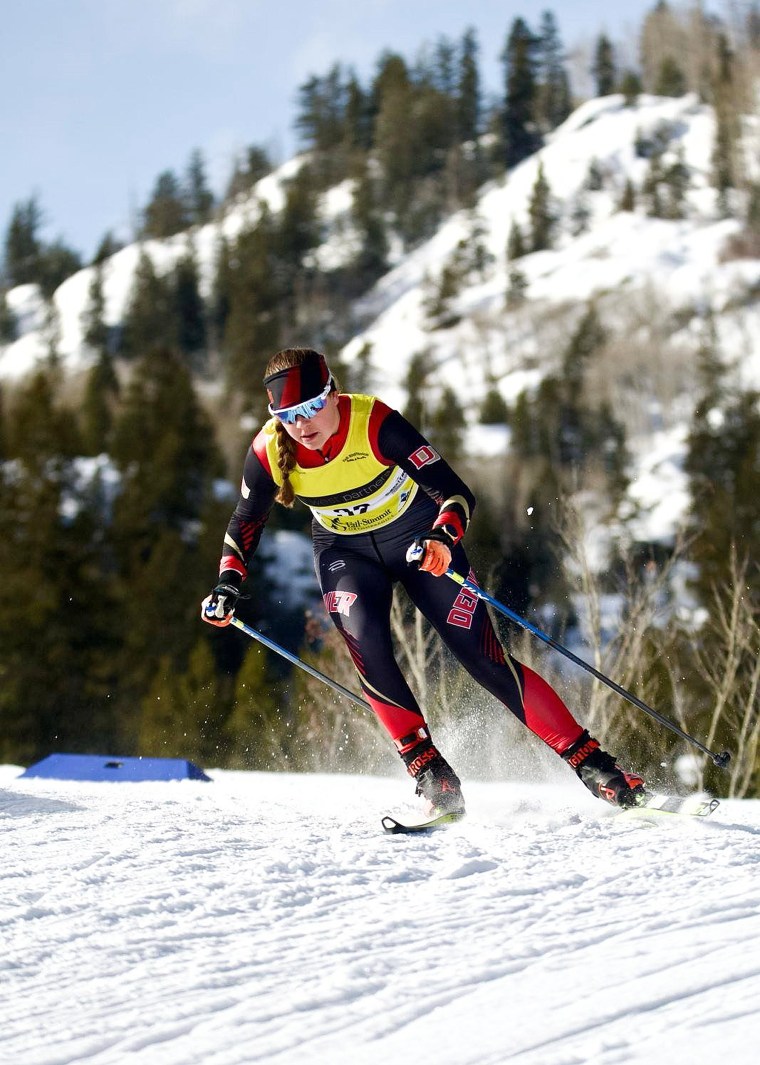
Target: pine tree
x=628 y=198
x=297 y=230
x=247 y=171
x=321 y=108
x=543 y=218
x=372 y=260
x=665 y=187
x=395 y=136
x=515 y=243
x=358 y=117
x=219 y=302
x=553 y=104
x=560 y=427
x=671 y=80
x=494 y=410
x=149 y=319
x=189 y=309
x=519 y=133
x=417 y=385
x=8 y=325
x=109 y=246
x=630 y=87
x=468 y=89
x=199 y=198
x=166 y=212
x=603 y=70
x=23 y=246
x=722 y=463
x=164 y=450
x=56 y=605
x=677 y=179
x=447 y=426
x=98 y=405
x=253 y=327
x=322 y=124
x=652 y=189
x=57 y=263
x=95 y=332
x=102 y=388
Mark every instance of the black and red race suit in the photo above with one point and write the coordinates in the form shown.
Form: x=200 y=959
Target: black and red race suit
x=376 y=487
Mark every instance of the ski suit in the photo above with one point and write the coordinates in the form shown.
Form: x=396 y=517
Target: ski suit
x=376 y=487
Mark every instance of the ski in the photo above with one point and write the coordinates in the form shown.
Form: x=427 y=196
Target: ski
x=680 y=805
x=394 y=827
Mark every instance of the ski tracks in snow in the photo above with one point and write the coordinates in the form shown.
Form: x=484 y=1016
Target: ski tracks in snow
x=267 y=918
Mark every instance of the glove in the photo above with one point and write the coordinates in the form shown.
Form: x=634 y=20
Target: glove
x=219 y=607
x=432 y=552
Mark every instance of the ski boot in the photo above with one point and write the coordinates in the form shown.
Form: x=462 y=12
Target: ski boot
x=436 y=781
x=602 y=775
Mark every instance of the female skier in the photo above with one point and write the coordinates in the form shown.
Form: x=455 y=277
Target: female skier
x=377 y=488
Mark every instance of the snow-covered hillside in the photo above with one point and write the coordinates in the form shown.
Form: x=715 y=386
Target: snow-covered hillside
x=669 y=266
x=266 y=918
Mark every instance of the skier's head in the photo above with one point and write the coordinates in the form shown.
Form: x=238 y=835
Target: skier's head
x=298 y=382
x=303 y=397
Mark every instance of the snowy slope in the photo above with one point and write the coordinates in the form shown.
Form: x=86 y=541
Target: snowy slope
x=672 y=267
x=620 y=252
x=266 y=918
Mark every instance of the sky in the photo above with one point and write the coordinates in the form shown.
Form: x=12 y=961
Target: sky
x=100 y=96
x=266 y=918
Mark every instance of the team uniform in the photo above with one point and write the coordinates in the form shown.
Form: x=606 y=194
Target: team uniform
x=378 y=485
x=376 y=489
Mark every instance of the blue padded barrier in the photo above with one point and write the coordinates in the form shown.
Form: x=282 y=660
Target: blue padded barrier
x=106 y=767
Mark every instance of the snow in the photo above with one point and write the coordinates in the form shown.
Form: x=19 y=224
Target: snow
x=267 y=918
x=659 y=494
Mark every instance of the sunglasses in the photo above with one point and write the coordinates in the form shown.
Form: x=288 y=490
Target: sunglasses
x=304 y=410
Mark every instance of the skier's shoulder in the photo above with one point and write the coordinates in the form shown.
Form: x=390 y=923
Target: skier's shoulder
x=363 y=403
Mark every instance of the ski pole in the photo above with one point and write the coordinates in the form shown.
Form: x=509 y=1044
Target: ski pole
x=721 y=760
x=255 y=635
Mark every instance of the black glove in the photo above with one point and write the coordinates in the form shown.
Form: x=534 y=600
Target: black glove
x=219 y=607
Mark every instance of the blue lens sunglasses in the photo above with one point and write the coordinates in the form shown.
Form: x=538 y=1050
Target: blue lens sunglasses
x=304 y=410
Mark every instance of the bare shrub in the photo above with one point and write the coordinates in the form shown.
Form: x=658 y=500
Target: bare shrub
x=728 y=661
x=617 y=628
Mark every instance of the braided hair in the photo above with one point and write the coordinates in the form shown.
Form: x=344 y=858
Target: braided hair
x=286 y=445
x=286 y=460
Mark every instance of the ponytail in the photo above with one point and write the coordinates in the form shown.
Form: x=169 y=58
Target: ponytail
x=286 y=460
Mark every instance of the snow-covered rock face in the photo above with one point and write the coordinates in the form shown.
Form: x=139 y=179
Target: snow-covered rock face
x=266 y=918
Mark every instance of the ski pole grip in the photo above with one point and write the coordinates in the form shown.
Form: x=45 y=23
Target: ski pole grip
x=415 y=553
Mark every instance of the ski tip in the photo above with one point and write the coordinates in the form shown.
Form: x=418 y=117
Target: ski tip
x=394 y=827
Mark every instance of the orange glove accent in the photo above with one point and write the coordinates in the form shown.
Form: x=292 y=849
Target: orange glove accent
x=437 y=558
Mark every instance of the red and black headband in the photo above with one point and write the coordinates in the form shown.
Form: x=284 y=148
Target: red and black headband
x=287 y=388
